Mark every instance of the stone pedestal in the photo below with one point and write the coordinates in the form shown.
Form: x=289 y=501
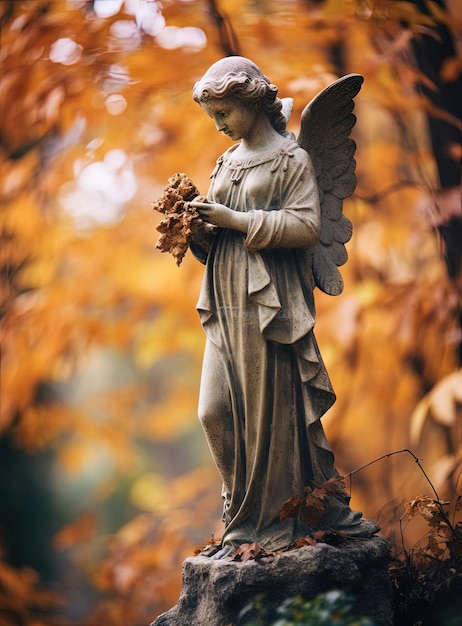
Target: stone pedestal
x=215 y=592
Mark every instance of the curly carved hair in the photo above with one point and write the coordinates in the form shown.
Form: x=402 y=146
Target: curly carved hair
x=241 y=78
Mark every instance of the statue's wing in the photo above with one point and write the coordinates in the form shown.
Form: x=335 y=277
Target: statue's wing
x=326 y=125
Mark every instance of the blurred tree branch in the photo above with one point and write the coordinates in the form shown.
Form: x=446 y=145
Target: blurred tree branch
x=433 y=51
x=228 y=40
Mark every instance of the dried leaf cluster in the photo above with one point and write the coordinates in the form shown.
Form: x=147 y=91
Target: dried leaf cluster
x=428 y=577
x=443 y=534
x=310 y=508
x=181 y=221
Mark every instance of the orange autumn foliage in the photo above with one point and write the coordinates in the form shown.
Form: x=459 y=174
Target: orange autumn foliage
x=100 y=342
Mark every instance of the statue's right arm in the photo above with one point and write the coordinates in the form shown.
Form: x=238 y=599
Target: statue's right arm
x=222 y=216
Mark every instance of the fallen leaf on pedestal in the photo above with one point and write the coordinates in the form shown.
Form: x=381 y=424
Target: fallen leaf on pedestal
x=302 y=542
x=249 y=552
x=331 y=537
x=211 y=541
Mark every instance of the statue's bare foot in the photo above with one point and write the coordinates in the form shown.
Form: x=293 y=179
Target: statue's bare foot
x=224 y=553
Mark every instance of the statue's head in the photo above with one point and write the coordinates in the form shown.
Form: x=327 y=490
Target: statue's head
x=241 y=78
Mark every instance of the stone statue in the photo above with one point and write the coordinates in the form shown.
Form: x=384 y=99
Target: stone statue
x=276 y=207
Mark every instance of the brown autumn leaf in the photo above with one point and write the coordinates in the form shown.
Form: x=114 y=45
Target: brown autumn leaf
x=249 y=552
x=334 y=486
x=302 y=542
x=433 y=511
x=413 y=508
x=210 y=541
x=291 y=507
x=312 y=510
x=331 y=537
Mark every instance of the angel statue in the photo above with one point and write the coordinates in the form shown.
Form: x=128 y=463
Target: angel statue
x=275 y=204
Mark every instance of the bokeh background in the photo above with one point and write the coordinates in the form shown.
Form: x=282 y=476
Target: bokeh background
x=106 y=483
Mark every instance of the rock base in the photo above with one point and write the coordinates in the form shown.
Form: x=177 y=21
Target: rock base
x=214 y=593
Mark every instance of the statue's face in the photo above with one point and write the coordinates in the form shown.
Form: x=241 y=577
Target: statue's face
x=232 y=117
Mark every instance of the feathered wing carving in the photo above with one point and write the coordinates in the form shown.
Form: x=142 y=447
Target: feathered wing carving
x=326 y=125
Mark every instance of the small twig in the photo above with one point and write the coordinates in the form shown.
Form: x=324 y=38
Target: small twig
x=403 y=542
x=387 y=456
x=438 y=502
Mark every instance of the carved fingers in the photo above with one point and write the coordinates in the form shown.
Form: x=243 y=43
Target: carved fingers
x=221 y=215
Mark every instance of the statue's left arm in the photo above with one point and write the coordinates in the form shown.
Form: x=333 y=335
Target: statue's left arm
x=296 y=223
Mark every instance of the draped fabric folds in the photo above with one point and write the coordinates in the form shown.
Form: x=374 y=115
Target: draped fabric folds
x=264 y=386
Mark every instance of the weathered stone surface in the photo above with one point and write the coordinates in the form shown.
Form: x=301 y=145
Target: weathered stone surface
x=280 y=232
x=215 y=592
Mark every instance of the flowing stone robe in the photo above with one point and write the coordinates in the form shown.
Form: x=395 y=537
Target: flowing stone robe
x=264 y=386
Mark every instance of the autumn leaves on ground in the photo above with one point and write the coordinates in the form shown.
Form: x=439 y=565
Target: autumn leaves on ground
x=106 y=482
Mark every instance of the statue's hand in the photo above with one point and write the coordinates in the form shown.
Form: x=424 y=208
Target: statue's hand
x=221 y=215
x=214 y=213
